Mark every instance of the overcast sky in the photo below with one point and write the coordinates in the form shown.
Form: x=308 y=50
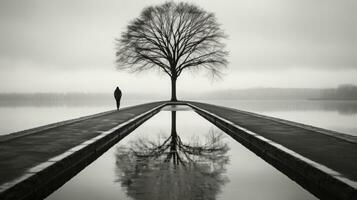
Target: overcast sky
x=68 y=45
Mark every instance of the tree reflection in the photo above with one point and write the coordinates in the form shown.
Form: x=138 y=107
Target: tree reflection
x=172 y=169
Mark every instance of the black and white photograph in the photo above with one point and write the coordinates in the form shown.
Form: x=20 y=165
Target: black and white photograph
x=178 y=99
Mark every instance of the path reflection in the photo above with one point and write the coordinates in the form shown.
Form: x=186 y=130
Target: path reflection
x=172 y=169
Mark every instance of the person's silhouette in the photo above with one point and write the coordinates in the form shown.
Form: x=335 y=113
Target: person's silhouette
x=117 y=96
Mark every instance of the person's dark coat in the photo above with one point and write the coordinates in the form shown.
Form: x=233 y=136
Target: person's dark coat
x=117 y=96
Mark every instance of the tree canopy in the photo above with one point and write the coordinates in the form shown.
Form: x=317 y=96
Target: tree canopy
x=172 y=37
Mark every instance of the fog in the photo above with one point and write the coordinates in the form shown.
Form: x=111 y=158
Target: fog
x=68 y=46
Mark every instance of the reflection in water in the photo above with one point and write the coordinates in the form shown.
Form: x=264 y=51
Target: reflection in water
x=172 y=169
x=250 y=177
x=342 y=107
x=18 y=117
x=339 y=115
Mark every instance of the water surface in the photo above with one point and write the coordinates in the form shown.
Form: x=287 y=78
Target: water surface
x=18 y=117
x=339 y=116
x=179 y=155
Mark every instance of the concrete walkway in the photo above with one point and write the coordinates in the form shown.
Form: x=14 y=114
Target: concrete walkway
x=35 y=162
x=24 y=150
x=321 y=149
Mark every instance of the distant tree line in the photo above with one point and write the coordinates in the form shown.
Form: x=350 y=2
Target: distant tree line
x=342 y=92
x=346 y=91
x=53 y=99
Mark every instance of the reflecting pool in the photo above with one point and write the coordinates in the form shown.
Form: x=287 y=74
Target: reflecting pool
x=179 y=155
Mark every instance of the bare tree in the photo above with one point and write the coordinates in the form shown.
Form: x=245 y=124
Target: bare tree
x=172 y=37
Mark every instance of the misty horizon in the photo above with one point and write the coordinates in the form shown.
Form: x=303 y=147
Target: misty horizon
x=69 y=46
x=342 y=92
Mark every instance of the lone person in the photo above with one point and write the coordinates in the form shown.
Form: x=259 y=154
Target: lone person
x=117 y=96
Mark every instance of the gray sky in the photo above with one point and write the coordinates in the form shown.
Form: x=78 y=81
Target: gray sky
x=68 y=45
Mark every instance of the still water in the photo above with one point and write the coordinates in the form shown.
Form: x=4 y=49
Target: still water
x=340 y=116
x=179 y=155
x=15 y=117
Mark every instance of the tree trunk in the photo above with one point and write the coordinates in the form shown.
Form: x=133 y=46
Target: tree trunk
x=173 y=89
